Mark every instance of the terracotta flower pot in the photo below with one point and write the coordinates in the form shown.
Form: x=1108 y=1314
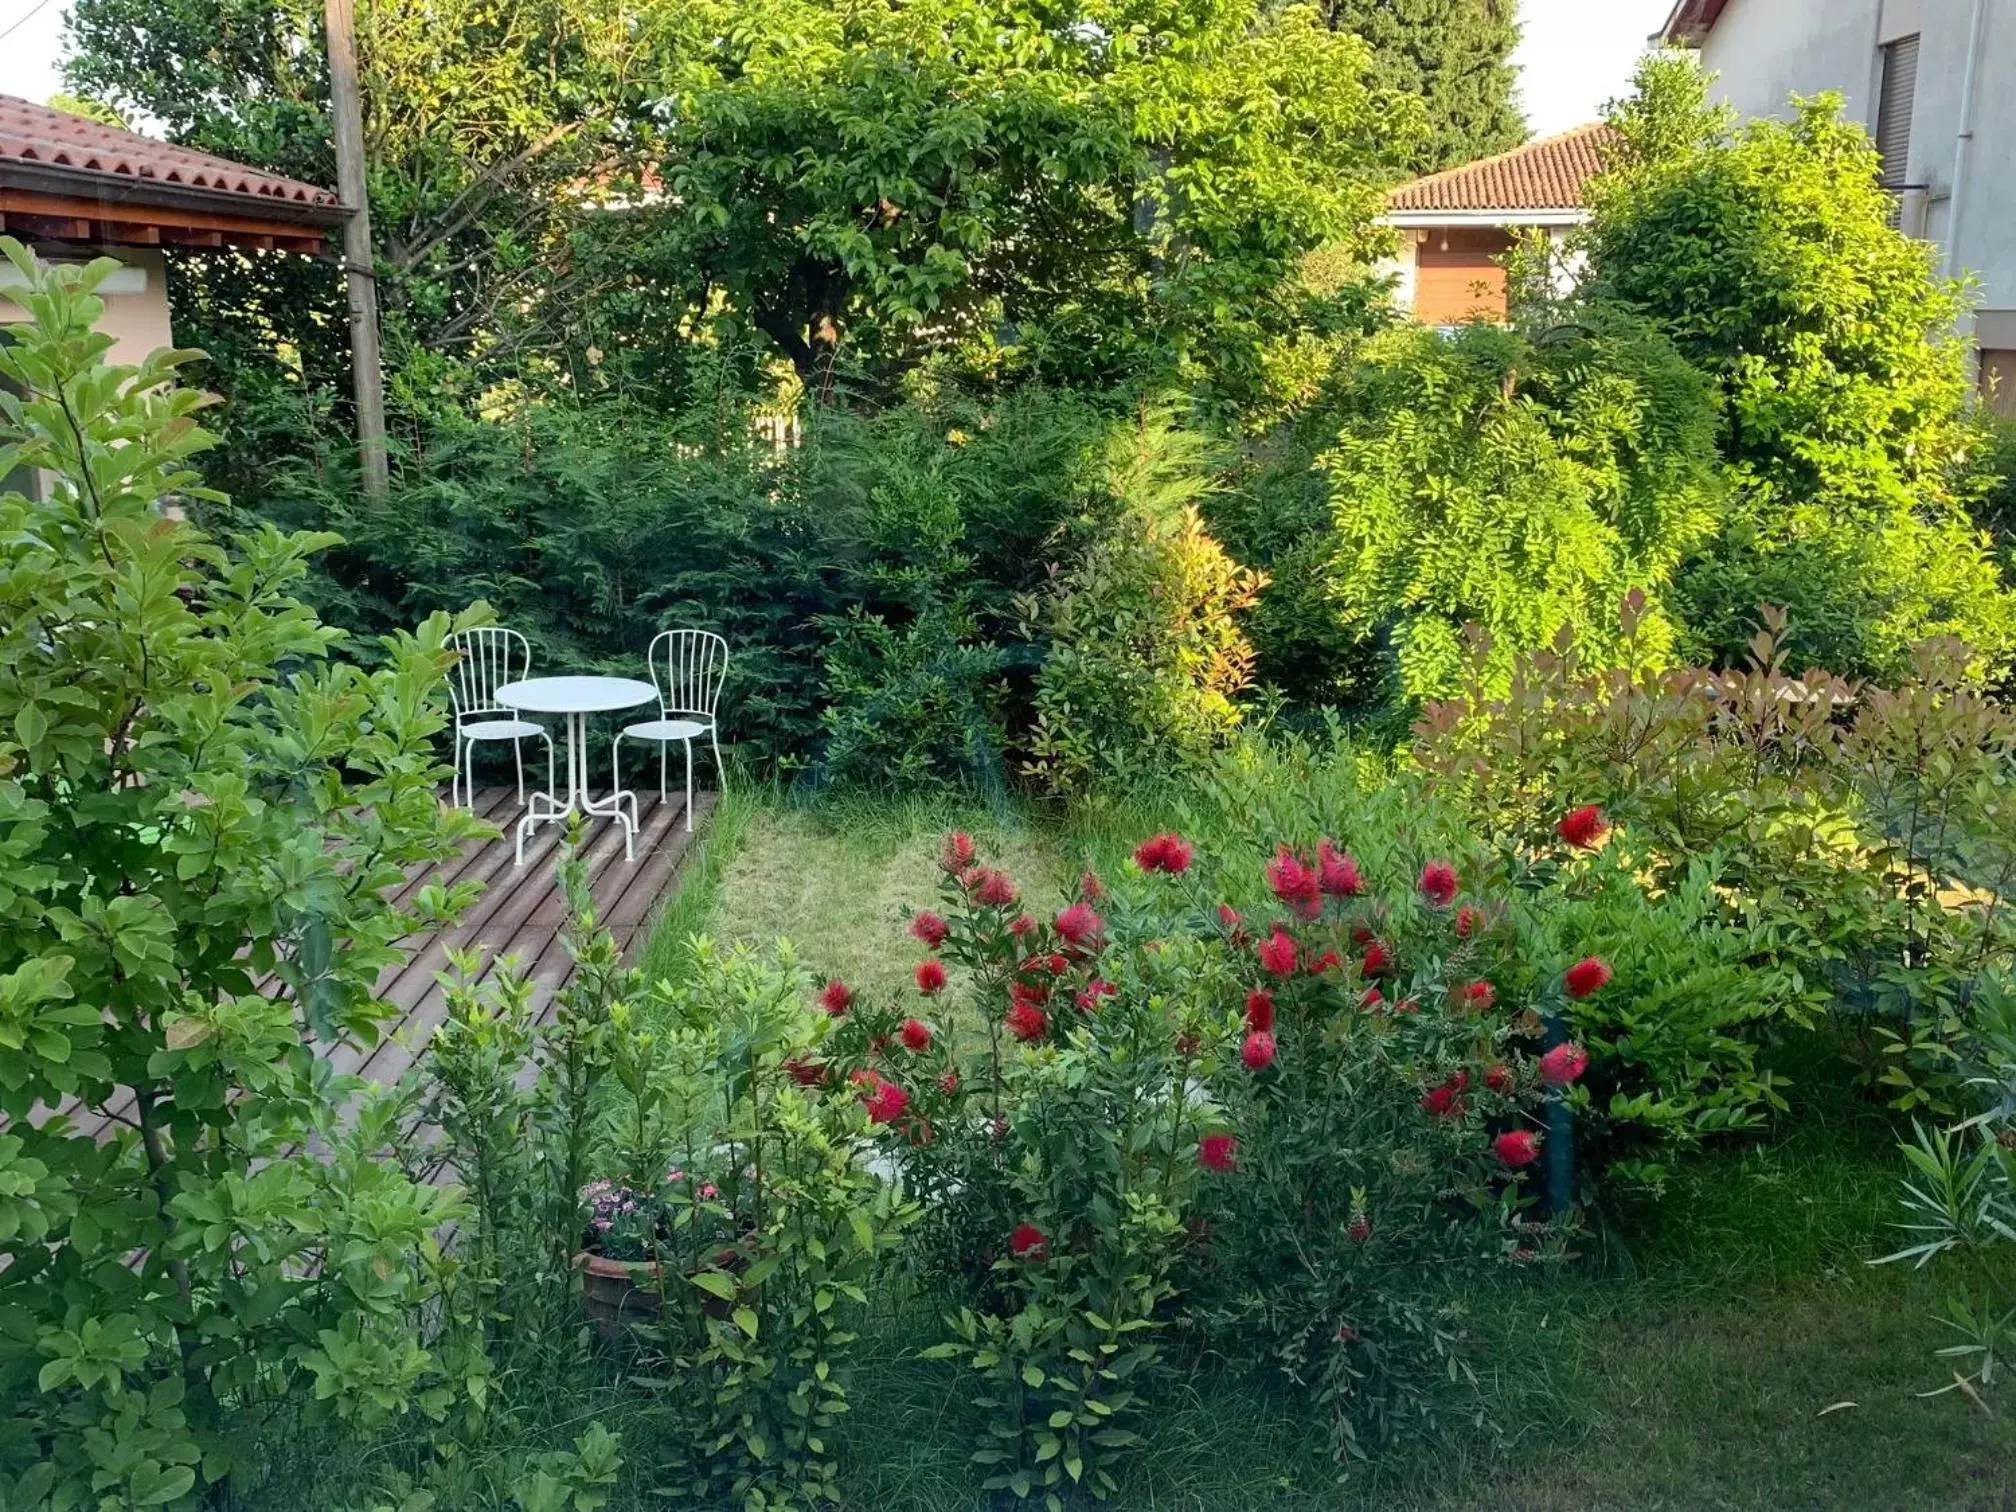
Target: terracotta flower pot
x=617 y=1294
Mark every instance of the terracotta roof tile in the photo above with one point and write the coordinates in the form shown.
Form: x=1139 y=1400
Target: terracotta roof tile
x=32 y=133
x=1543 y=175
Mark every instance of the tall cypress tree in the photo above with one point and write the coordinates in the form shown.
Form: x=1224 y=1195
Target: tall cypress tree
x=1455 y=54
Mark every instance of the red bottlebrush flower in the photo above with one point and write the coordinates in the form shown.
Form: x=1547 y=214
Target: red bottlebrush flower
x=916 y=1035
x=949 y=1083
x=1079 y=925
x=1328 y=961
x=1376 y=960
x=1055 y=964
x=1036 y=994
x=1028 y=1242
x=1438 y=883
x=1022 y=925
x=1372 y=1000
x=1277 y=954
x=1230 y=922
x=886 y=1102
x=804 y=1070
x=1358 y=1230
x=955 y=851
x=1590 y=974
x=994 y=888
x=930 y=976
x=1258 y=1051
x=1407 y=1005
x=1090 y=888
x=1563 y=1065
x=1445 y=1101
x=1260 y=1011
x=1092 y=991
x=835 y=997
x=1164 y=853
x=929 y=928
x=1500 y=1079
x=1517 y=1147
x=1468 y=922
x=1361 y=934
x=1295 y=883
x=1026 y=1021
x=1218 y=1152
x=1337 y=872
x=1582 y=827
x=1479 y=995
x=1186 y=1044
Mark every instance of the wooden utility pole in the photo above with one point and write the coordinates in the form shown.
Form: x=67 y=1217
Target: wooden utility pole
x=366 y=374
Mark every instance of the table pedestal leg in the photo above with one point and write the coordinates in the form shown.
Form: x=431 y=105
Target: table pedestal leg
x=544 y=808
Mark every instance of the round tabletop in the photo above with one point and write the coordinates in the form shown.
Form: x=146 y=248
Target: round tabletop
x=575 y=695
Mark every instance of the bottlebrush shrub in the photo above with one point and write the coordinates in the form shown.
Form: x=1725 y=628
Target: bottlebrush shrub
x=1142 y=1141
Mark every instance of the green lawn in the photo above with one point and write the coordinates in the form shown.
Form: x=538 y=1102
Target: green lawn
x=1689 y=1362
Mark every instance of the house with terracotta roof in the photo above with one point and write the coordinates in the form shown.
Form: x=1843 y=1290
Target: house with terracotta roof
x=1457 y=226
x=73 y=189
x=1929 y=79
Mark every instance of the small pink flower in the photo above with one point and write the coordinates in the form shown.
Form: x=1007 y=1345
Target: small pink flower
x=886 y=1103
x=1090 y=888
x=1328 y=961
x=1089 y=995
x=930 y=976
x=930 y=928
x=1468 y=922
x=1500 y=1079
x=955 y=852
x=1026 y=1021
x=1258 y=1051
x=709 y=1191
x=916 y=1035
x=1517 y=1147
x=1028 y=1242
x=1376 y=960
x=949 y=1083
x=1479 y=995
x=994 y=888
x=1163 y=853
x=1563 y=1065
x=835 y=997
x=1021 y=925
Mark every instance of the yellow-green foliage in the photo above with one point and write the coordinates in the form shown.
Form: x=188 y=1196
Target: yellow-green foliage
x=1146 y=652
x=1524 y=483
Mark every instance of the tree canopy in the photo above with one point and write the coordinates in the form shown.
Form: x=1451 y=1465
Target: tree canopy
x=1456 y=56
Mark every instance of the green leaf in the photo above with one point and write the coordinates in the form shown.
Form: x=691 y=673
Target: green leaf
x=745 y=1319
x=716 y=1283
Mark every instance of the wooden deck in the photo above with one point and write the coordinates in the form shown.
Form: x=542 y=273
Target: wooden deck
x=518 y=914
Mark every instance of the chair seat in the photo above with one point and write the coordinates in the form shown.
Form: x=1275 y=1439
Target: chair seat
x=498 y=729
x=669 y=729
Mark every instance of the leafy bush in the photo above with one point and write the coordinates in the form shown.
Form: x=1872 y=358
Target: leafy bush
x=1858 y=838
x=1145 y=653
x=1519 y=481
x=1765 y=252
x=202 y=816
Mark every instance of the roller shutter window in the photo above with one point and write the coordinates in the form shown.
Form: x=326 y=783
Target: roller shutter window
x=1893 y=110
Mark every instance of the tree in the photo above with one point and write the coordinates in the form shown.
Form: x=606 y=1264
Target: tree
x=1765 y=252
x=1454 y=54
x=193 y=797
x=1132 y=193
x=1523 y=483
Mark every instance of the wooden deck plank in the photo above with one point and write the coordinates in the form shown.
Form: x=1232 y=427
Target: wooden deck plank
x=519 y=914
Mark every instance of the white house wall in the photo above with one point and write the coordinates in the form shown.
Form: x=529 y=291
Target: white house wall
x=1764 y=51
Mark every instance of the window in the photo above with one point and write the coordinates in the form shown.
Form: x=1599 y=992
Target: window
x=1893 y=110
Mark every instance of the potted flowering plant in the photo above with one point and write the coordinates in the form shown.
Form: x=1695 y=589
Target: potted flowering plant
x=627 y=1241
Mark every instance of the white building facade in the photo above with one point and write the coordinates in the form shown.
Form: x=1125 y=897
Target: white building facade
x=1935 y=83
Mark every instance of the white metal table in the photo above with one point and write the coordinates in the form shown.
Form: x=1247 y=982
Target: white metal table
x=577 y=698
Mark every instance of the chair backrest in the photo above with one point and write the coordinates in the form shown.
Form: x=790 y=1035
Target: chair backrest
x=489 y=657
x=687 y=668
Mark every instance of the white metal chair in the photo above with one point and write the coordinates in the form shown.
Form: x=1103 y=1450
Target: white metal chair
x=687 y=667
x=489 y=657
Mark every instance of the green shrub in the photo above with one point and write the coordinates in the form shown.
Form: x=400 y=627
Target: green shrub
x=1518 y=481
x=1145 y=652
x=1765 y=252
x=195 y=801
